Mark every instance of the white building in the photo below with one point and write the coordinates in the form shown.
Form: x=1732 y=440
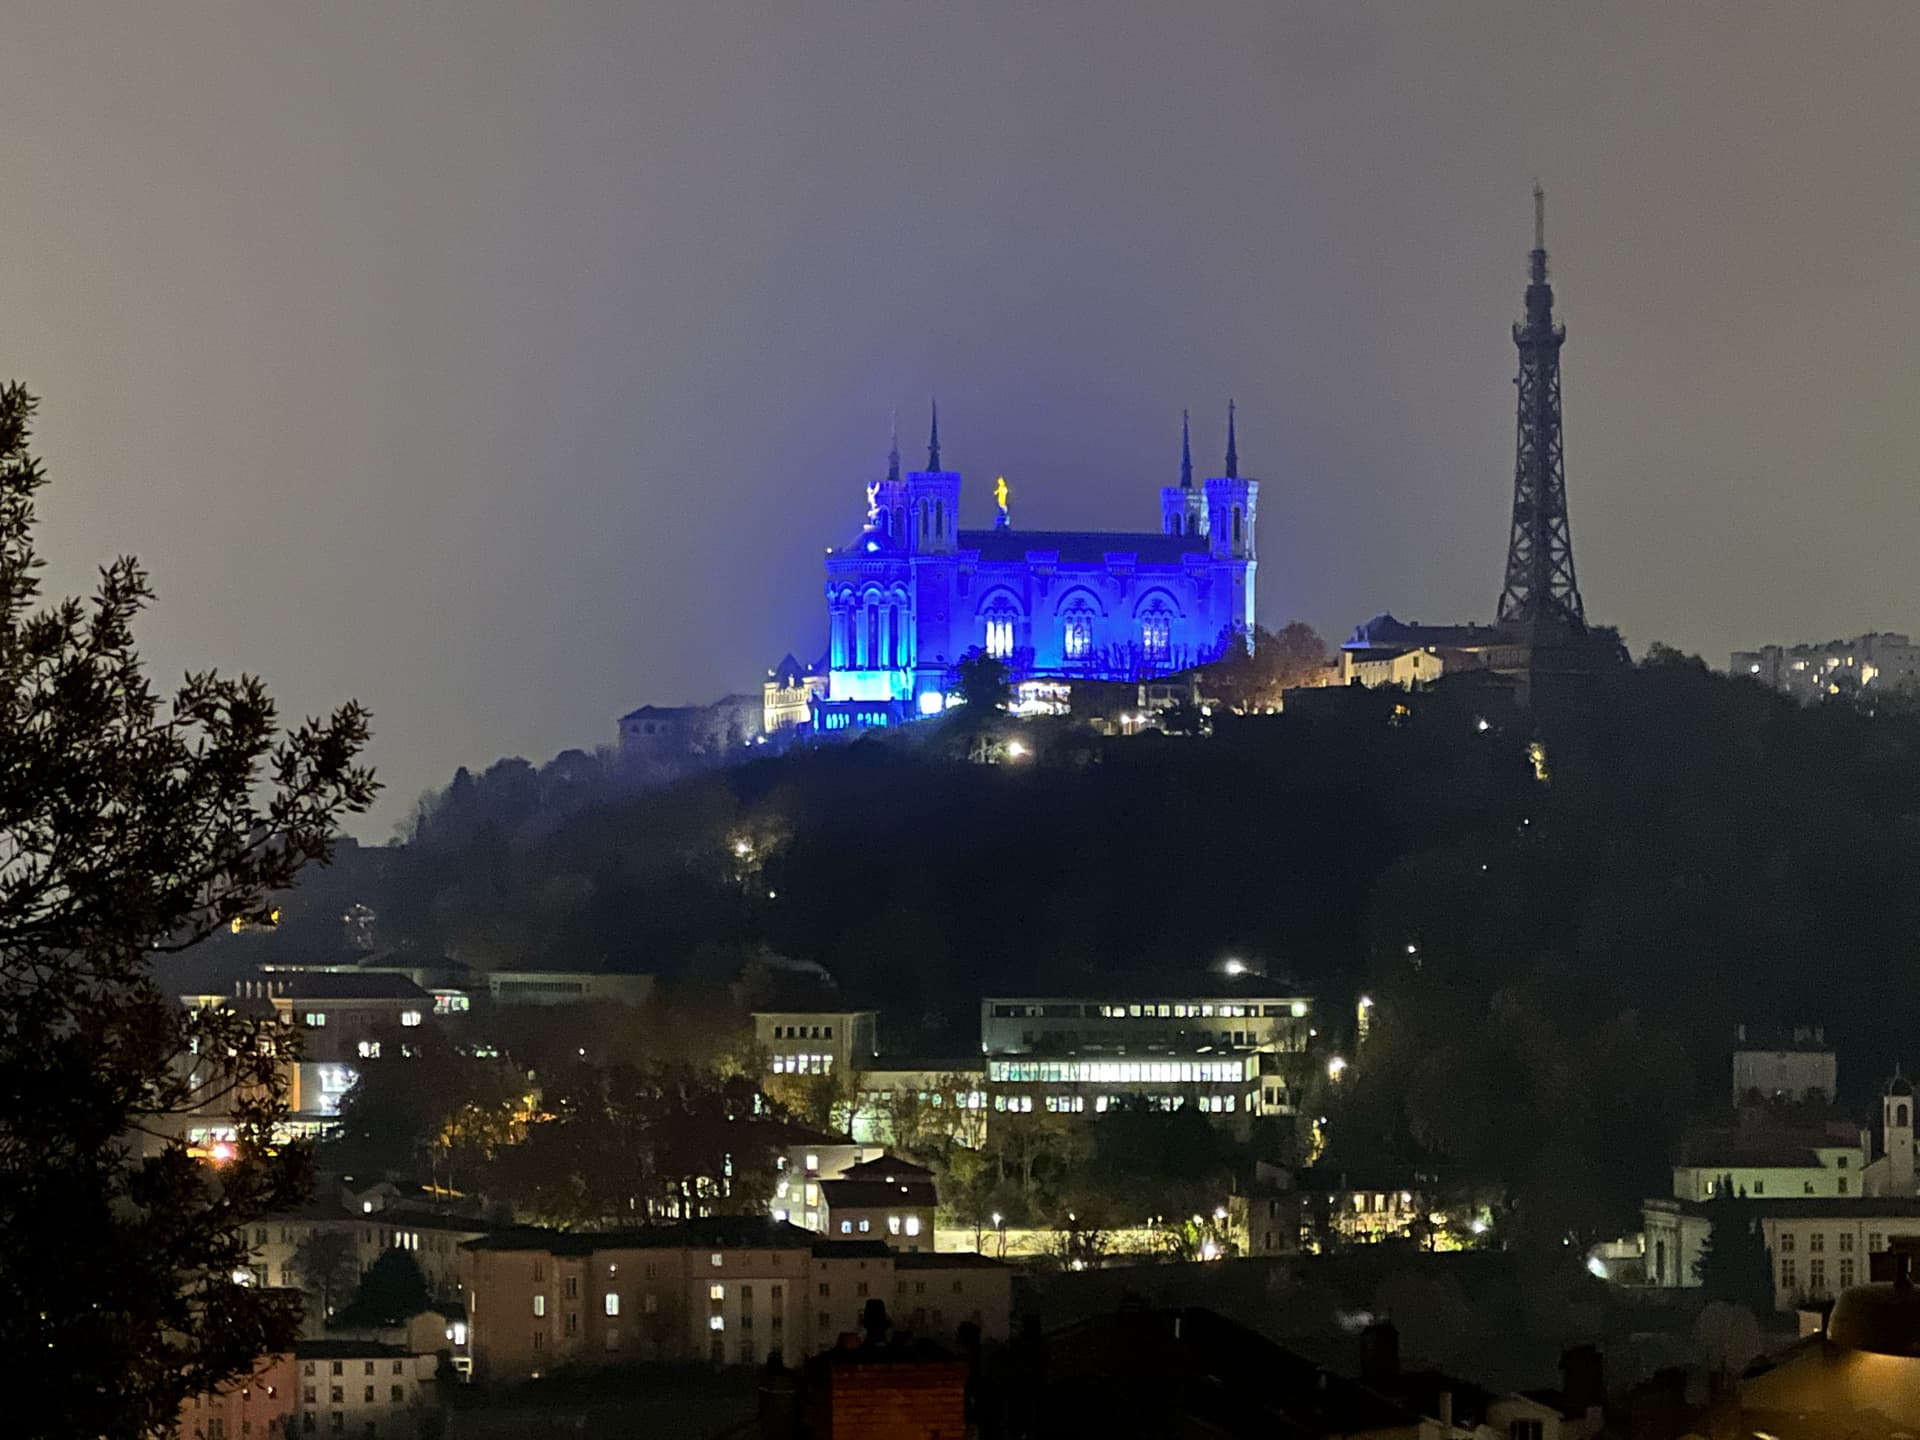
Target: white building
x=1784 y=1065
x=1876 y=660
x=363 y=1388
x=816 y=1042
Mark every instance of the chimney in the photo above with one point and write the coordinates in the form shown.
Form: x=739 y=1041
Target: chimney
x=1379 y=1355
x=1446 y=1415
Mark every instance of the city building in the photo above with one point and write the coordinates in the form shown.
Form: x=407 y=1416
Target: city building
x=1818 y=1245
x=789 y=693
x=816 y=1042
x=949 y=1092
x=1404 y=666
x=725 y=1290
x=887 y=1199
x=364 y=1388
x=1231 y=1046
x=371 y=1224
x=913 y=593
x=1340 y=1206
x=344 y=1020
x=805 y=1158
x=1771 y=1160
x=1879 y=660
x=261 y=1404
x=1783 y=1064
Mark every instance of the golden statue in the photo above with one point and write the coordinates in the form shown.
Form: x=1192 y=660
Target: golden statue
x=1000 y=493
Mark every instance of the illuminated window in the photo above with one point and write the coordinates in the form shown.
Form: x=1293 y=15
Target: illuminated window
x=316 y=1018
x=1000 y=625
x=865 y=1226
x=716 y=1322
x=539 y=1305
x=913 y=1224
x=1156 y=632
x=716 y=1291
x=893 y=1224
x=717 y=1262
x=813 y=1162
x=613 y=1303
x=409 y=1017
x=1076 y=637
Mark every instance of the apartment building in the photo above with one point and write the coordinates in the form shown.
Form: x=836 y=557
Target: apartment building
x=727 y=1290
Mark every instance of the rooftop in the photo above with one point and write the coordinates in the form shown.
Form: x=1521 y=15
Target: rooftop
x=719 y=1232
x=877 y=1194
x=1807 y=1207
x=339 y=985
x=347 y=1349
x=946 y=1260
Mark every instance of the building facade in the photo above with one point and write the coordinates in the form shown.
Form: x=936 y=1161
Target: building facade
x=1230 y=1049
x=1787 y=1064
x=886 y=1199
x=913 y=593
x=1877 y=660
x=722 y=1291
x=816 y=1042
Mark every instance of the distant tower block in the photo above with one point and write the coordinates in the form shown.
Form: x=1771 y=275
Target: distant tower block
x=1541 y=596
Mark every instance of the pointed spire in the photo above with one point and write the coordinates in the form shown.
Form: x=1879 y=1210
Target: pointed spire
x=893 y=451
x=1186 y=455
x=933 y=440
x=1233 y=445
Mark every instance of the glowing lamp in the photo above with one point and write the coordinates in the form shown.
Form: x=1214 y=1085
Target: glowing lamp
x=931 y=702
x=221 y=1152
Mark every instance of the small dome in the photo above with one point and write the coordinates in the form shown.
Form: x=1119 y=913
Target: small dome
x=1898 y=1085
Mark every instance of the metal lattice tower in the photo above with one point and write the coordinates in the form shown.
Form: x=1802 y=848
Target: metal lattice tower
x=1540 y=595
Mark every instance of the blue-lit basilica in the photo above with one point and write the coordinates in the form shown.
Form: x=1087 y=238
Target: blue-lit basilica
x=913 y=593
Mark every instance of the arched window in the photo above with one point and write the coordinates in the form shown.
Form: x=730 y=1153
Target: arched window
x=1002 y=624
x=1236 y=525
x=1900 y=1114
x=1076 y=632
x=939 y=518
x=872 y=656
x=1156 y=631
x=900 y=523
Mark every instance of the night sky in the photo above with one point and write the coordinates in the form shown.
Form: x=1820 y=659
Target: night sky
x=511 y=366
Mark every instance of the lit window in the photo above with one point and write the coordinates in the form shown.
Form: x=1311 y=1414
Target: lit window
x=1077 y=634
x=613 y=1303
x=716 y=1260
x=716 y=1291
x=539 y=1305
x=893 y=1224
x=716 y=1322
x=865 y=1226
x=913 y=1224
x=846 y=1226
x=409 y=1017
x=369 y=1049
x=813 y=1162
x=316 y=1018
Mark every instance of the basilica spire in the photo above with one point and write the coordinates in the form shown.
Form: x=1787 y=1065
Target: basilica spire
x=1233 y=446
x=933 y=441
x=1186 y=454
x=893 y=451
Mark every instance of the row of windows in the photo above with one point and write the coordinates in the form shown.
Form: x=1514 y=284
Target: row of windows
x=803 y=1032
x=1150 y=1010
x=339 y=1367
x=895 y=1225
x=317 y=1019
x=1817 y=1242
x=1816 y=1276
x=1123 y=1072
x=803 y=1064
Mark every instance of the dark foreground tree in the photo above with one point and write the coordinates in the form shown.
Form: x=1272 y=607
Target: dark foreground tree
x=132 y=826
x=393 y=1290
x=327 y=1261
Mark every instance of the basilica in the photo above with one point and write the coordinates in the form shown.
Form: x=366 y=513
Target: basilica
x=913 y=593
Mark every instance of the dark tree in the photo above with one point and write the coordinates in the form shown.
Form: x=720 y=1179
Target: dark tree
x=131 y=827
x=1734 y=1265
x=327 y=1261
x=981 y=681
x=392 y=1290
